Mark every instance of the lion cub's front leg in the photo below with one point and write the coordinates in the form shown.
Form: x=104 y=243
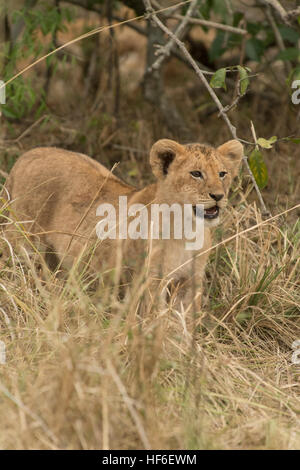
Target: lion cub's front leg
x=177 y=284
x=188 y=291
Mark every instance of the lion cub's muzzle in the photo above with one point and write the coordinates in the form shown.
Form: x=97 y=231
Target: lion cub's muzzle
x=209 y=213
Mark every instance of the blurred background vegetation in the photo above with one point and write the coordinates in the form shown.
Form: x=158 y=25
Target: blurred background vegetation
x=95 y=95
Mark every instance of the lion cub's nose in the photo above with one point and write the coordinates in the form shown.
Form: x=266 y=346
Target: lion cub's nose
x=216 y=197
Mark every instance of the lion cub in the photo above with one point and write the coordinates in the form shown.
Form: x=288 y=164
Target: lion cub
x=55 y=195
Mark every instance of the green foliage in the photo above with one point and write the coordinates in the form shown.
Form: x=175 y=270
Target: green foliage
x=294 y=75
x=205 y=9
x=218 y=79
x=288 y=34
x=255 y=49
x=259 y=41
x=290 y=53
x=244 y=79
x=218 y=46
x=216 y=7
x=267 y=278
x=20 y=93
x=258 y=168
x=266 y=143
x=260 y=38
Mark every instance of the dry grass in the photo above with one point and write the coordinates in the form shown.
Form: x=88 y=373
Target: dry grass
x=85 y=371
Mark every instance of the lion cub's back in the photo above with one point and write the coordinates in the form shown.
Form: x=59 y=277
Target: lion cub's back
x=47 y=180
x=51 y=168
x=58 y=162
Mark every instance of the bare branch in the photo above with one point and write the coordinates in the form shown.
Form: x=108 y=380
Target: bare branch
x=265 y=211
x=199 y=72
x=212 y=24
x=152 y=14
x=139 y=29
x=286 y=16
x=277 y=35
x=278 y=7
x=164 y=51
x=293 y=13
x=209 y=24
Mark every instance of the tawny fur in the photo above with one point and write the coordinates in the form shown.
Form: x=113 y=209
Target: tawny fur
x=55 y=194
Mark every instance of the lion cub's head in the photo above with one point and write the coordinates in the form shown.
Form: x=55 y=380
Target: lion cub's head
x=196 y=174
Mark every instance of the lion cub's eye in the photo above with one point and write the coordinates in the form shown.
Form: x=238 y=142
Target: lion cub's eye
x=222 y=174
x=196 y=174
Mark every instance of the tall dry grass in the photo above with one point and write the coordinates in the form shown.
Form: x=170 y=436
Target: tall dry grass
x=85 y=371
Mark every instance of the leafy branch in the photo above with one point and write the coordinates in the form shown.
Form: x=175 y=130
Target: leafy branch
x=152 y=15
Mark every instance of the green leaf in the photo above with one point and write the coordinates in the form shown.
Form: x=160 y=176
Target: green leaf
x=218 y=79
x=295 y=140
x=290 y=53
x=10 y=113
x=237 y=16
x=296 y=73
x=293 y=75
x=255 y=49
x=253 y=28
x=288 y=34
x=132 y=172
x=244 y=79
x=267 y=143
x=220 y=9
x=258 y=168
x=205 y=8
x=217 y=48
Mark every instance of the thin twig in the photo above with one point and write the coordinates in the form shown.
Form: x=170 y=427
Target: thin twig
x=3 y=174
x=266 y=213
x=293 y=13
x=277 y=35
x=137 y=28
x=200 y=74
x=27 y=130
x=200 y=21
x=152 y=14
x=79 y=38
x=213 y=24
x=173 y=52
x=164 y=13
x=284 y=15
x=237 y=91
x=164 y=51
x=234 y=102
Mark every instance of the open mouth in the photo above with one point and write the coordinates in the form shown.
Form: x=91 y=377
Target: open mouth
x=211 y=213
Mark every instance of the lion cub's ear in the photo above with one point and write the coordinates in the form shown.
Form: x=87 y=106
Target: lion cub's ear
x=233 y=152
x=162 y=154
